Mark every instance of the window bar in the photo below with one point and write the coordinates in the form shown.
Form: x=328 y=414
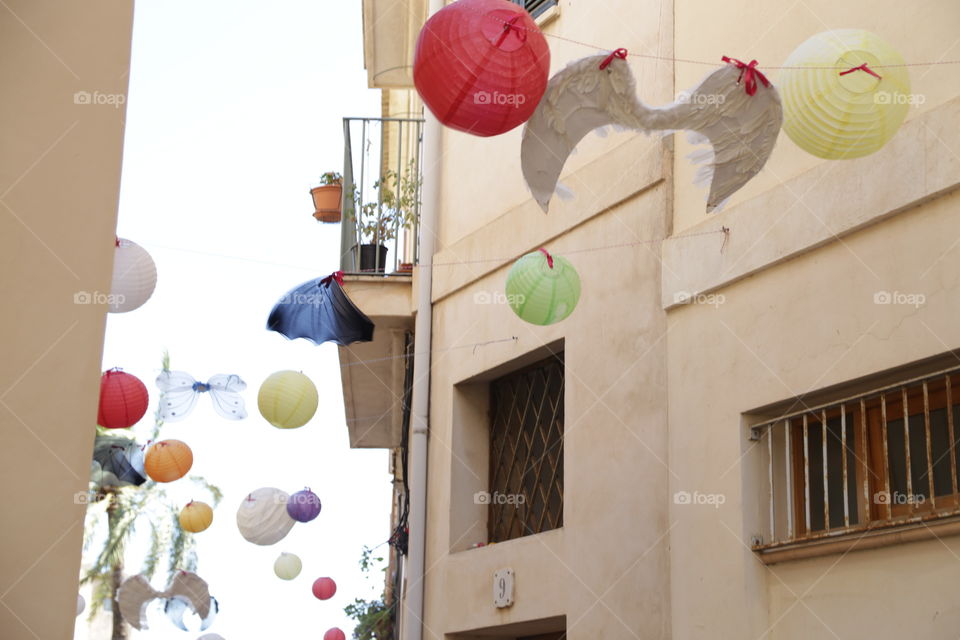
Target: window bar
x=950 y=449
x=788 y=468
x=926 y=426
x=886 y=453
x=364 y=154
x=399 y=223
x=773 y=525
x=377 y=267
x=843 y=461
x=864 y=461
x=826 y=478
x=806 y=475
x=906 y=448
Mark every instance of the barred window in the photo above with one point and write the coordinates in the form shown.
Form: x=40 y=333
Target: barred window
x=876 y=460
x=526 y=451
x=535 y=7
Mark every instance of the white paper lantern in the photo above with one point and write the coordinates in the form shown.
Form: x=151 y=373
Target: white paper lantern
x=134 y=277
x=287 y=566
x=81 y=604
x=211 y=636
x=262 y=517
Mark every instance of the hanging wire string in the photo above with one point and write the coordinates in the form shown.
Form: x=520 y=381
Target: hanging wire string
x=618 y=245
x=404 y=356
x=702 y=62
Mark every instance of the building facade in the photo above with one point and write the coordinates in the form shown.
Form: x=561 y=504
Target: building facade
x=746 y=429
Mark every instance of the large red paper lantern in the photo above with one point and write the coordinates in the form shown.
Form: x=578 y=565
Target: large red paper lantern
x=123 y=400
x=324 y=588
x=481 y=66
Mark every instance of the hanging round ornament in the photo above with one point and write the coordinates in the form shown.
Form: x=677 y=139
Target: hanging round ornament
x=845 y=93
x=195 y=516
x=334 y=633
x=324 y=588
x=481 y=66
x=134 y=277
x=287 y=566
x=262 y=516
x=303 y=506
x=81 y=604
x=542 y=288
x=123 y=400
x=288 y=399
x=168 y=460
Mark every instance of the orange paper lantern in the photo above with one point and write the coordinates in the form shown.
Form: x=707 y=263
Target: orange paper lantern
x=168 y=460
x=196 y=516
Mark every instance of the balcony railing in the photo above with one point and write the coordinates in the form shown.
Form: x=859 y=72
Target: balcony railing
x=381 y=195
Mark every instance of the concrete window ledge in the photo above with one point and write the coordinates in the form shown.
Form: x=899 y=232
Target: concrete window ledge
x=841 y=197
x=861 y=540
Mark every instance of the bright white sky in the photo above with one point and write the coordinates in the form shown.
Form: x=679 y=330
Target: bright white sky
x=234 y=112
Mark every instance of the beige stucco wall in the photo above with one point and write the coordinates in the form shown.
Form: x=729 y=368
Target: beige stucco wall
x=607 y=569
x=59 y=182
x=649 y=378
x=811 y=243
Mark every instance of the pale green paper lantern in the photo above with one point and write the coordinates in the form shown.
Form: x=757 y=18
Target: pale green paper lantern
x=542 y=289
x=840 y=97
x=287 y=566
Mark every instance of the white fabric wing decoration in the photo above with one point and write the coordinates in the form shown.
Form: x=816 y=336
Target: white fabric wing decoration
x=136 y=593
x=180 y=392
x=742 y=128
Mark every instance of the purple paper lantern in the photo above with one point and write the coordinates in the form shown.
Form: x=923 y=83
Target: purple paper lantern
x=303 y=506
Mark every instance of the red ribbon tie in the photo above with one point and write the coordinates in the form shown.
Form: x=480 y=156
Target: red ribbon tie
x=862 y=67
x=618 y=53
x=336 y=275
x=511 y=26
x=547 y=253
x=748 y=74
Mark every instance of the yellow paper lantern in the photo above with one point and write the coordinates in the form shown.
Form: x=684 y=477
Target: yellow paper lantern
x=287 y=566
x=288 y=399
x=196 y=516
x=833 y=112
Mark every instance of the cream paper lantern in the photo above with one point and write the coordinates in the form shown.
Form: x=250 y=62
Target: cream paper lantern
x=134 y=277
x=288 y=399
x=287 y=566
x=81 y=604
x=835 y=107
x=262 y=517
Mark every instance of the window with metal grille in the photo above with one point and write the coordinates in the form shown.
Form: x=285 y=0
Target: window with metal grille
x=872 y=461
x=535 y=7
x=526 y=451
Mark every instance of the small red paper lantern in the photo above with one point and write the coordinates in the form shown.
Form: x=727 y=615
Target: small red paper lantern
x=481 y=66
x=324 y=588
x=123 y=400
x=332 y=634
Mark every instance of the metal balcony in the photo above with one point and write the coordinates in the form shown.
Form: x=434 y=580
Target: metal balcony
x=380 y=156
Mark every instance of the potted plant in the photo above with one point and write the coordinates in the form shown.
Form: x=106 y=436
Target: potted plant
x=397 y=206
x=327 y=197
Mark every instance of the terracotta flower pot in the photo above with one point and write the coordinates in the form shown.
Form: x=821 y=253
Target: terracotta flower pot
x=327 y=201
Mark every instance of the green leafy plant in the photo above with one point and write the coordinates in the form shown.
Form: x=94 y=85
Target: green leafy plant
x=375 y=618
x=397 y=205
x=329 y=178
